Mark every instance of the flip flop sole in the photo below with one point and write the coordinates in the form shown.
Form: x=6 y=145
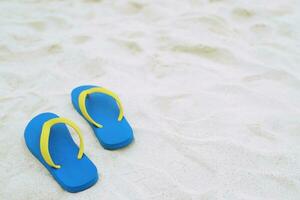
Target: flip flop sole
x=103 y=109
x=75 y=174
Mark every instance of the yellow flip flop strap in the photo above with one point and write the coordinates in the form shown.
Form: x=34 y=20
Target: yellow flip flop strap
x=44 y=140
x=82 y=107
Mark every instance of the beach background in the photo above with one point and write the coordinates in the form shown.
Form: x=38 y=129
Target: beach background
x=210 y=87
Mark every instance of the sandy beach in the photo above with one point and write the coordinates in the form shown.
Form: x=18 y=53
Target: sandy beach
x=210 y=87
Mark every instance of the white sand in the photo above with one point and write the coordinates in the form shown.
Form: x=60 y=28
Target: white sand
x=211 y=88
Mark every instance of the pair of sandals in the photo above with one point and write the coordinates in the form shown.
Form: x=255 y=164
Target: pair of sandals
x=50 y=141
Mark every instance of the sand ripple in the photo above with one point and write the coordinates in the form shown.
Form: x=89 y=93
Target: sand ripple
x=211 y=88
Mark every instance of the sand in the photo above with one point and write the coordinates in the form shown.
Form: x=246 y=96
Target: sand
x=210 y=87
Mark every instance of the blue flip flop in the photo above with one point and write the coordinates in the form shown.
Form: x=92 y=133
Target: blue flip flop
x=47 y=138
x=104 y=112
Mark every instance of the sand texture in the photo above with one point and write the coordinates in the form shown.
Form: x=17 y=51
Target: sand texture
x=210 y=87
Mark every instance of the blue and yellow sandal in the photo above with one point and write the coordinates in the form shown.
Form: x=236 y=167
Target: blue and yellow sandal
x=104 y=112
x=49 y=140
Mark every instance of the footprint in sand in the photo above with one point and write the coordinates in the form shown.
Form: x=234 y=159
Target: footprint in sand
x=132 y=46
x=208 y=52
x=80 y=39
x=215 y=24
x=130 y=8
x=273 y=75
x=134 y=7
x=59 y=22
x=54 y=48
x=242 y=13
x=37 y=25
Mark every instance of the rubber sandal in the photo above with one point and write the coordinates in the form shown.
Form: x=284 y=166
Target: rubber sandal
x=49 y=140
x=104 y=112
